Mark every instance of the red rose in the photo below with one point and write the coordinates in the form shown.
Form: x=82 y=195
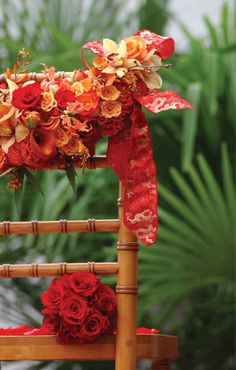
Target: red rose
x=14 y=155
x=52 y=323
x=68 y=334
x=63 y=97
x=74 y=309
x=112 y=126
x=54 y=295
x=91 y=137
x=83 y=283
x=105 y=300
x=94 y=326
x=27 y=97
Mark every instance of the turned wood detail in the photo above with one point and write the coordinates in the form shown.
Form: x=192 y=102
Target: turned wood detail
x=37 y=270
x=127 y=289
x=61 y=226
x=161 y=365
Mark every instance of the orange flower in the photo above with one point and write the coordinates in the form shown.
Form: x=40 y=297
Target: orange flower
x=100 y=62
x=86 y=84
x=31 y=119
x=109 y=93
x=74 y=146
x=50 y=124
x=111 y=108
x=10 y=131
x=48 y=101
x=6 y=113
x=61 y=137
x=136 y=47
x=77 y=88
x=3 y=159
x=42 y=144
x=88 y=103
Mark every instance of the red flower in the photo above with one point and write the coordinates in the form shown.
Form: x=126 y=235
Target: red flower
x=83 y=283
x=94 y=326
x=74 y=309
x=52 y=324
x=14 y=155
x=112 y=126
x=78 y=308
x=54 y=295
x=27 y=97
x=63 y=97
x=91 y=137
x=3 y=160
x=105 y=300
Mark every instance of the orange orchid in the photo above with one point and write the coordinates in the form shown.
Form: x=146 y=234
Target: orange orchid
x=10 y=130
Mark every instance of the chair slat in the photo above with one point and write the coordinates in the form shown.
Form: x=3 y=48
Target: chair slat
x=56 y=269
x=154 y=346
x=60 y=226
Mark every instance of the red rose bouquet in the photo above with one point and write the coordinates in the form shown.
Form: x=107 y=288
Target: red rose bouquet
x=79 y=308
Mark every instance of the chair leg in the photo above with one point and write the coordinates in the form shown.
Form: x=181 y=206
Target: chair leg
x=161 y=365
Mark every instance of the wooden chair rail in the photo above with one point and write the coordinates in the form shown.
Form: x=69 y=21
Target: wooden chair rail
x=56 y=269
x=60 y=226
x=155 y=346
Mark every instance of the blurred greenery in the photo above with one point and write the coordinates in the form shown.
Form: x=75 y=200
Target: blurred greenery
x=187 y=280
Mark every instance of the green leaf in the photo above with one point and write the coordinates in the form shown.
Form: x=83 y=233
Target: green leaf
x=18 y=193
x=190 y=118
x=71 y=174
x=32 y=179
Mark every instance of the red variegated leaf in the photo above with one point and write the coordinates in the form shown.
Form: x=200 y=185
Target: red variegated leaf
x=164 y=46
x=158 y=101
x=95 y=46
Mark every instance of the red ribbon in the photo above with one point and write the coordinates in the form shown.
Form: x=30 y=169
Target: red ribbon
x=131 y=158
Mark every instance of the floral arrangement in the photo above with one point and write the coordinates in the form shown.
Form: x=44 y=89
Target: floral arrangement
x=49 y=124
x=79 y=307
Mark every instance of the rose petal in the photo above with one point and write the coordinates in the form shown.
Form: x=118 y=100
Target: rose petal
x=158 y=101
x=21 y=132
x=164 y=46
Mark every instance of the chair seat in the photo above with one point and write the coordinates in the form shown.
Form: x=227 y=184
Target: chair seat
x=45 y=347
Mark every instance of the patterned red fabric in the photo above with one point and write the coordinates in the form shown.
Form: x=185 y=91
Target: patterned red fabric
x=164 y=46
x=158 y=101
x=131 y=157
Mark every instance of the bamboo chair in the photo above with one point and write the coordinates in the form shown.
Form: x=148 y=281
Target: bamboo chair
x=125 y=347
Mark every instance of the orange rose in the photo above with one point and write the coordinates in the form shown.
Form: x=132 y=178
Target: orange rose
x=74 y=146
x=88 y=103
x=48 y=101
x=109 y=93
x=136 y=47
x=100 y=62
x=111 y=108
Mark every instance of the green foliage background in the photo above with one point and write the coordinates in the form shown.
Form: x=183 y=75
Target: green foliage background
x=187 y=280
